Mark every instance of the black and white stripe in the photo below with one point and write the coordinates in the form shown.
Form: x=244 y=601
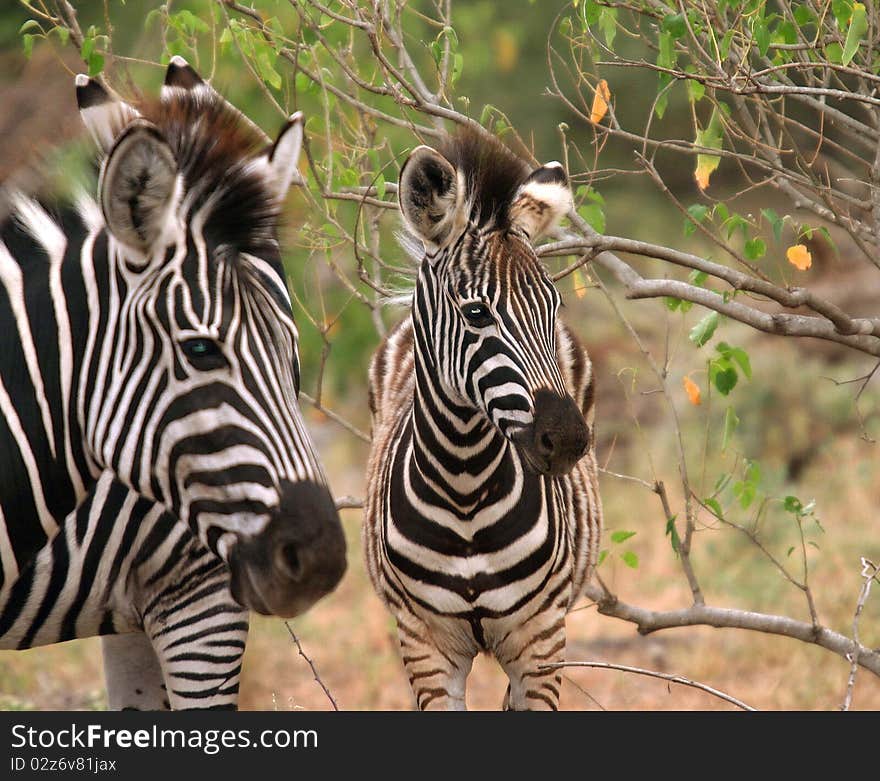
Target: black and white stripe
x=149 y=373
x=483 y=516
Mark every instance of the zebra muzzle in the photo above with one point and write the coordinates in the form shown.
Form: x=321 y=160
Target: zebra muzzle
x=298 y=558
x=558 y=436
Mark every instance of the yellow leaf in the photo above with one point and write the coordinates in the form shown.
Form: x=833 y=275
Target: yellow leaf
x=706 y=164
x=600 y=102
x=799 y=257
x=692 y=390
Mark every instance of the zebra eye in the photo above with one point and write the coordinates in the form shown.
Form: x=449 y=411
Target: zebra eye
x=203 y=354
x=477 y=315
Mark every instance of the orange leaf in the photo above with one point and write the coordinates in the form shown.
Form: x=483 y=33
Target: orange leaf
x=799 y=257
x=692 y=390
x=600 y=102
x=706 y=164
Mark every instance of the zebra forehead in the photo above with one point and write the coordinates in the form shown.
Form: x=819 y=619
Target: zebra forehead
x=502 y=260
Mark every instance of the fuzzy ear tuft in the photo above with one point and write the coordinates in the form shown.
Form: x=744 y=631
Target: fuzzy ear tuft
x=541 y=201
x=431 y=196
x=103 y=115
x=138 y=186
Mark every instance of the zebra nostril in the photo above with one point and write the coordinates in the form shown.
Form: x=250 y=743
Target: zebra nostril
x=547 y=445
x=288 y=560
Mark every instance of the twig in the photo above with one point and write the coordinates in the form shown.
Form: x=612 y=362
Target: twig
x=653 y=674
x=870 y=572
x=312 y=666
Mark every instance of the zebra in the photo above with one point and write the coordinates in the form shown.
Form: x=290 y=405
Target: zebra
x=482 y=514
x=157 y=480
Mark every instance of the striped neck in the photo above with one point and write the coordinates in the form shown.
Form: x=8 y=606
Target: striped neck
x=456 y=458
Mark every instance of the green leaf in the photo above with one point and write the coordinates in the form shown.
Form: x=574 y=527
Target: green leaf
x=834 y=53
x=608 y=23
x=742 y=358
x=858 y=26
x=714 y=505
x=755 y=248
x=590 y=13
x=724 y=46
x=594 y=215
x=266 y=68
x=621 y=536
x=731 y=421
x=698 y=278
x=725 y=380
x=734 y=222
x=27 y=43
x=30 y=24
x=745 y=491
x=762 y=36
x=672 y=533
x=675 y=25
x=696 y=214
x=775 y=221
x=602 y=556
x=695 y=90
x=630 y=559
x=792 y=504
x=95 y=63
x=672 y=303
x=702 y=331
x=380 y=186
x=457 y=66
x=803 y=15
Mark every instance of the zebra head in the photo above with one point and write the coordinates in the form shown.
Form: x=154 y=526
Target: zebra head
x=194 y=398
x=485 y=310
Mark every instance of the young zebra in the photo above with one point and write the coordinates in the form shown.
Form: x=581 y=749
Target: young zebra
x=482 y=519
x=156 y=476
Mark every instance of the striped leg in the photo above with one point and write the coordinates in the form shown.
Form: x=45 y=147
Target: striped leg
x=198 y=633
x=132 y=673
x=437 y=678
x=540 y=641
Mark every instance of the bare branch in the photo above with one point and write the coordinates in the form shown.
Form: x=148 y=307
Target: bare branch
x=311 y=666
x=680 y=679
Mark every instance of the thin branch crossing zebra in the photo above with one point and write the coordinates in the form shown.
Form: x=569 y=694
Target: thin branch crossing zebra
x=482 y=517
x=156 y=476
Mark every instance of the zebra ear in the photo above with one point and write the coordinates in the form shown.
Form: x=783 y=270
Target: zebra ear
x=104 y=115
x=138 y=186
x=431 y=196
x=541 y=201
x=283 y=156
x=181 y=75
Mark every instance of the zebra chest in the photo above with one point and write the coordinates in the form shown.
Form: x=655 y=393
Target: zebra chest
x=480 y=560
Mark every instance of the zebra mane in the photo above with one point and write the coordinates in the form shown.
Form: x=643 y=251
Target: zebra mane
x=492 y=174
x=216 y=148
